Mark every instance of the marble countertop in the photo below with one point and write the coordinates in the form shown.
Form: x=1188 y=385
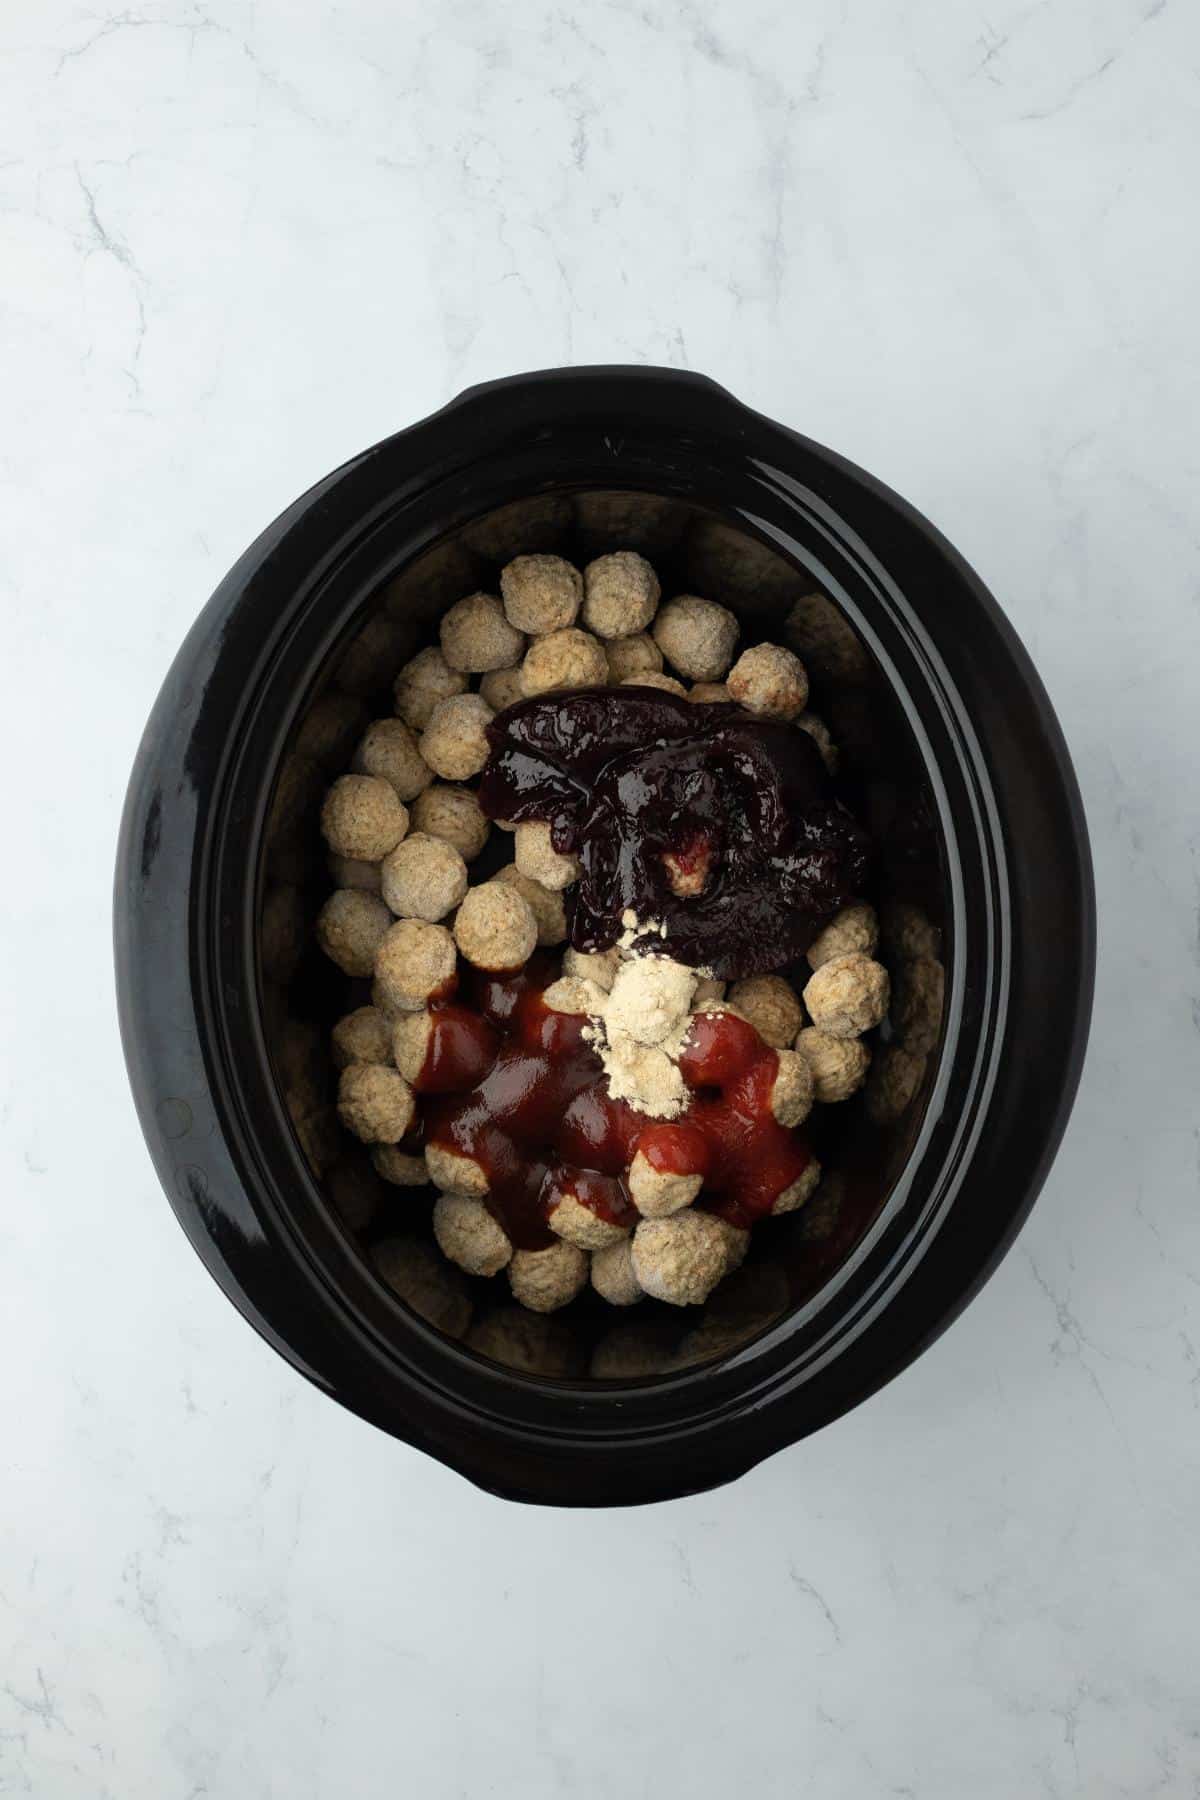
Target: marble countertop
x=243 y=239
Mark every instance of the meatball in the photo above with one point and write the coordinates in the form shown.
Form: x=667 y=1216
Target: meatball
x=577 y=1224
x=414 y=1271
x=401 y=1168
x=422 y=684
x=853 y=931
x=352 y=872
x=681 y=1259
x=501 y=688
x=620 y=594
x=351 y=926
x=454 y=743
x=541 y=593
x=454 y=1172
x=362 y=1036
x=696 y=636
x=824 y=638
x=375 y=1103
x=495 y=928
x=416 y=961
x=839 y=1065
x=537 y=858
x=770 y=681
x=452 y=813
x=847 y=995
x=563 y=659
x=612 y=1274
x=599 y=966
x=469 y=1236
x=709 y=693
x=330 y=729
x=771 y=1005
x=793 y=1197
x=895 y=1079
x=636 y=655
x=546 y=906
x=655 y=679
x=918 y=999
x=822 y=737
x=545 y=1280
x=363 y=817
x=389 y=750
x=477 y=636
x=907 y=931
x=423 y=878
x=658 y=1193
x=792 y=1089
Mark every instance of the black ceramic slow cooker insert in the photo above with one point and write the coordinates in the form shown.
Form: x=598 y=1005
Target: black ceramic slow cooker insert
x=950 y=753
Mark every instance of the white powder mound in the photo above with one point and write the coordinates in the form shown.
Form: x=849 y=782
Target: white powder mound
x=638 y=1029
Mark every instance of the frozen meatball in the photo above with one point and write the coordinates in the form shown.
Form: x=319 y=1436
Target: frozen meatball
x=682 y=1258
x=577 y=1224
x=501 y=688
x=541 y=593
x=363 y=817
x=531 y=1343
x=793 y=1197
x=917 y=1003
x=409 y=1042
x=545 y=1280
x=771 y=1005
x=696 y=636
x=629 y=656
x=415 y=1271
x=599 y=966
x=853 y=931
x=495 y=928
x=821 y=736
x=707 y=988
x=620 y=594
x=709 y=693
x=401 y=1168
x=454 y=1172
x=452 y=813
x=416 y=961
x=563 y=659
x=422 y=683
x=545 y=905
x=895 y=1079
x=454 y=743
x=612 y=1274
x=656 y=679
x=351 y=926
x=423 y=878
x=536 y=857
x=574 y=994
x=839 y=1065
x=351 y=872
x=374 y=1103
x=356 y=1192
x=847 y=995
x=823 y=637
x=770 y=681
x=476 y=636
x=657 y=1193
x=792 y=1089
x=907 y=931
x=362 y=1036
x=389 y=750
x=469 y=1236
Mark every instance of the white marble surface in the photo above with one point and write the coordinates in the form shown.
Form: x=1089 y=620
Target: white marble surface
x=243 y=239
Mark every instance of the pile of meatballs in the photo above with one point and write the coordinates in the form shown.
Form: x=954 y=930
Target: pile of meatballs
x=403 y=826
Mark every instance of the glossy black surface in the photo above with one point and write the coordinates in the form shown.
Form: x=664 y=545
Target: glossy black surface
x=987 y=834
x=629 y=777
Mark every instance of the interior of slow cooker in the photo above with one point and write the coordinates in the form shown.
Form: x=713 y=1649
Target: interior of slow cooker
x=862 y=1144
